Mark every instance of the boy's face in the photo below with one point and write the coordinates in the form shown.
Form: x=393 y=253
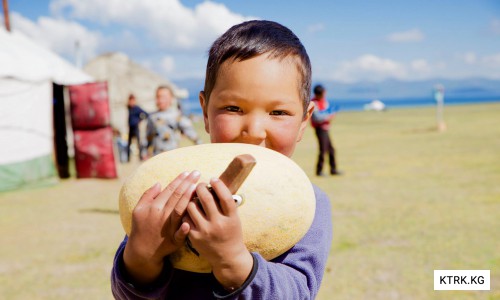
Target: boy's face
x=163 y=99
x=257 y=101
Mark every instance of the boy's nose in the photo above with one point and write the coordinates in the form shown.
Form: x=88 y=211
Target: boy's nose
x=254 y=131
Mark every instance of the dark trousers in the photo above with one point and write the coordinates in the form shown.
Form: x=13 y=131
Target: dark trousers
x=325 y=146
x=133 y=132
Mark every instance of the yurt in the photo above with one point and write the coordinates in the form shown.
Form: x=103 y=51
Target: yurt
x=32 y=81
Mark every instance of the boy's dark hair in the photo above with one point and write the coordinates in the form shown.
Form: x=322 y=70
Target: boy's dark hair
x=253 y=38
x=130 y=97
x=166 y=87
x=318 y=90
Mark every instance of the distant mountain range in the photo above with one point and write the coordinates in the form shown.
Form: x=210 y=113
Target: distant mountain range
x=388 y=89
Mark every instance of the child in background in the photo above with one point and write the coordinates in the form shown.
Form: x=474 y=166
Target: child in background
x=322 y=116
x=135 y=115
x=256 y=91
x=167 y=123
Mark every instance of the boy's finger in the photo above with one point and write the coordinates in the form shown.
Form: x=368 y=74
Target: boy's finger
x=150 y=193
x=187 y=219
x=180 y=207
x=207 y=201
x=197 y=218
x=176 y=204
x=227 y=204
x=164 y=196
x=182 y=233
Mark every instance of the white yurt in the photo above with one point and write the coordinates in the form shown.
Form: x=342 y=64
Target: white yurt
x=29 y=76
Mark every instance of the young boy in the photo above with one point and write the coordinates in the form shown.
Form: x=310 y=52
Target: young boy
x=165 y=124
x=320 y=121
x=135 y=115
x=257 y=92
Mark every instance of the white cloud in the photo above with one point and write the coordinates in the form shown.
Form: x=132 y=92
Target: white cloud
x=469 y=58
x=173 y=25
x=420 y=66
x=370 y=67
x=313 y=28
x=486 y=61
x=59 y=35
x=168 y=64
x=414 y=35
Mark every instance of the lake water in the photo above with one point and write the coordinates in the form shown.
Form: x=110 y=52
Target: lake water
x=192 y=106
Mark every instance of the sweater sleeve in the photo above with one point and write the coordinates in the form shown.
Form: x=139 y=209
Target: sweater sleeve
x=144 y=114
x=122 y=286
x=296 y=274
x=187 y=128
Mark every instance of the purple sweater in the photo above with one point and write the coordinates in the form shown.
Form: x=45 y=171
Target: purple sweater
x=296 y=274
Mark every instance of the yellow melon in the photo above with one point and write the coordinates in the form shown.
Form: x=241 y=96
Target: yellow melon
x=278 y=206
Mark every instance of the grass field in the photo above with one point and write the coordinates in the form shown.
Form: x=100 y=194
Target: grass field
x=412 y=200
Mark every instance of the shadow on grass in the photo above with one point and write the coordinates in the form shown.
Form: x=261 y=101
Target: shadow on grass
x=99 y=211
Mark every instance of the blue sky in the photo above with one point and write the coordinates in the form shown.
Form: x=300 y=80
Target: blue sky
x=347 y=41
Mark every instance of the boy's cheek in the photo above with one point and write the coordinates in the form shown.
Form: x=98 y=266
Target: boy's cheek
x=222 y=134
x=223 y=129
x=286 y=139
x=220 y=138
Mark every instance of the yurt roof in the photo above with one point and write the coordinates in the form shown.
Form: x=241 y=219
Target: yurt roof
x=23 y=59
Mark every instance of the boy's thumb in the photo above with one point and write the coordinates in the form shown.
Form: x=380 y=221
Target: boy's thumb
x=182 y=233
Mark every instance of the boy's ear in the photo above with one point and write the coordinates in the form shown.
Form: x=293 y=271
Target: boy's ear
x=204 y=109
x=306 y=119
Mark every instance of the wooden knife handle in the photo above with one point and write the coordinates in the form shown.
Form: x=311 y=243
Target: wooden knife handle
x=237 y=171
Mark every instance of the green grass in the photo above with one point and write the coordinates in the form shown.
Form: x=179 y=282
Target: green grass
x=412 y=200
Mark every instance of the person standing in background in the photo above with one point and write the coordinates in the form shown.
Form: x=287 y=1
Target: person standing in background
x=439 y=97
x=320 y=121
x=135 y=116
x=167 y=122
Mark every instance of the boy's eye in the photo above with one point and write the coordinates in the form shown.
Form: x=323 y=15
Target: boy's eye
x=232 y=108
x=279 y=113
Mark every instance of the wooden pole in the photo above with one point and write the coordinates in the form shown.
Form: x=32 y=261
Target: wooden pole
x=6 y=15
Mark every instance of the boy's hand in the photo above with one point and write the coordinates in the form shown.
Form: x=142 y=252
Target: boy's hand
x=157 y=227
x=217 y=235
